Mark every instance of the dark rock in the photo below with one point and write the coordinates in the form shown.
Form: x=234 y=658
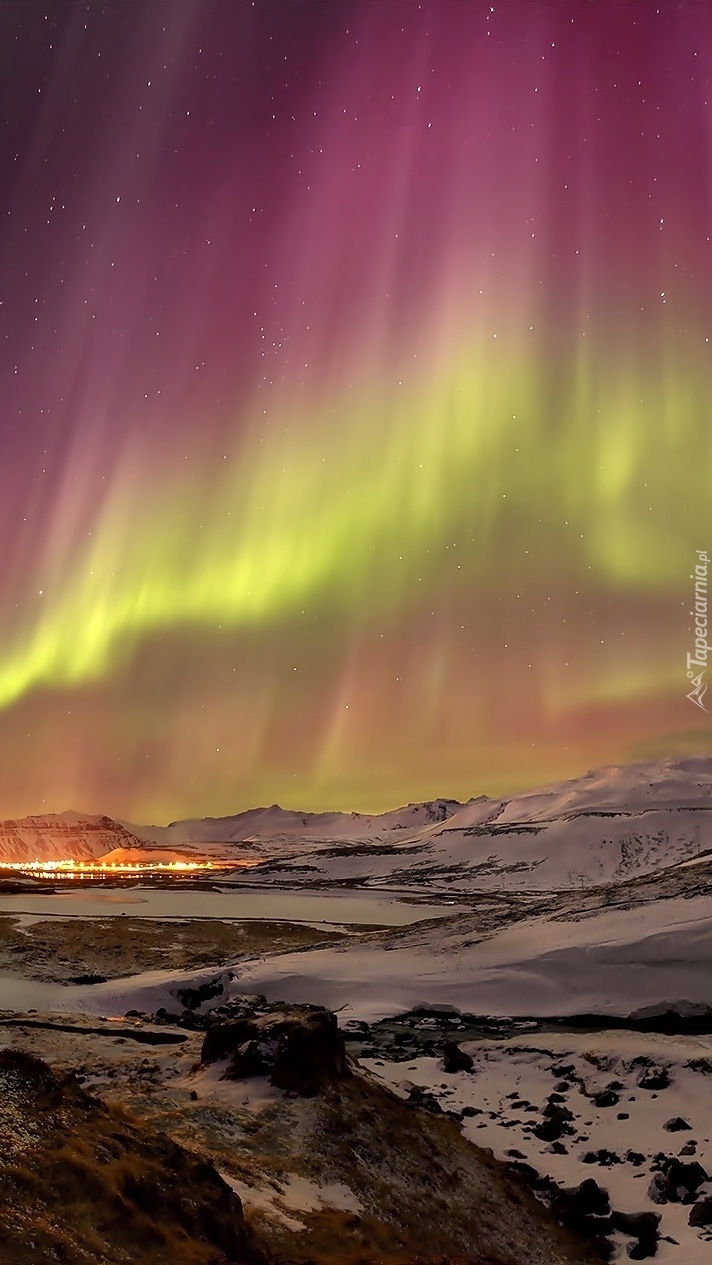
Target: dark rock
x=701 y=1065
x=656 y=1190
x=193 y=1022
x=602 y=1156
x=252 y=1058
x=642 y=1226
x=192 y=998
x=701 y=1214
x=531 y=1178
x=471 y=1111
x=553 y=1127
x=587 y=1199
x=689 y=1148
x=584 y=1209
x=622 y=1115
x=455 y=1059
x=676 y=1182
x=553 y=1111
x=653 y=1078
x=301 y=1047
x=643 y=1249
x=677 y=1125
x=636 y=1158
x=422 y=1098
x=561 y=1086
x=226 y=1037
x=516 y=1155
x=606 y=1098
x=310 y=1052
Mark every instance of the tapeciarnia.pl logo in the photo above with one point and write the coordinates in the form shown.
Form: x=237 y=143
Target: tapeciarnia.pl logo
x=698 y=660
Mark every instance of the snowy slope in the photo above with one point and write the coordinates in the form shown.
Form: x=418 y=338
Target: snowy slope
x=607 y=826
x=60 y=836
x=608 y=961
x=283 y=827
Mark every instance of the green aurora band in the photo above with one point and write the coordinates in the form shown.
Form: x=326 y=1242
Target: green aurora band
x=353 y=504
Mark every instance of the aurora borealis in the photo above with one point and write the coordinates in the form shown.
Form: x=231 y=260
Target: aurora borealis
x=357 y=396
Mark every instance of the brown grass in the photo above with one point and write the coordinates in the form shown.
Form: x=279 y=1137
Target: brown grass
x=59 y=949
x=91 y=1187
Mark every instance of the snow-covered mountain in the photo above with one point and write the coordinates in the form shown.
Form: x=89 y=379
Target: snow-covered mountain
x=58 y=836
x=608 y=825
x=283 y=826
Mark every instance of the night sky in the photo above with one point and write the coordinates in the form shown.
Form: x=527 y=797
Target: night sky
x=356 y=412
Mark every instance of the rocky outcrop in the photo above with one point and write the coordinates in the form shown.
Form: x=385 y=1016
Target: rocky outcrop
x=653 y=1078
x=586 y=1211
x=701 y=1214
x=455 y=1059
x=676 y=1181
x=310 y=1052
x=300 y=1049
x=193 y=998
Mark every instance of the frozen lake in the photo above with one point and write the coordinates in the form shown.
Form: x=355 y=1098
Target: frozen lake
x=147 y=902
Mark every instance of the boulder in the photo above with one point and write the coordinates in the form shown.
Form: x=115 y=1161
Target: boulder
x=554 y=1111
x=300 y=1048
x=676 y=1125
x=701 y=1213
x=603 y=1247
x=420 y=1097
x=643 y=1227
x=653 y=1078
x=555 y=1123
x=606 y=1098
x=602 y=1156
x=455 y=1059
x=677 y=1182
x=192 y=998
x=310 y=1052
x=226 y=1037
x=584 y=1209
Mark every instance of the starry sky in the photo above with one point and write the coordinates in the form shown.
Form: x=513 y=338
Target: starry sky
x=356 y=414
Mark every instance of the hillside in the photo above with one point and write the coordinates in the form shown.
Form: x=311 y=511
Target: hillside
x=609 y=825
x=287 y=826
x=80 y=1182
x=336 y=1171
x=57 y=836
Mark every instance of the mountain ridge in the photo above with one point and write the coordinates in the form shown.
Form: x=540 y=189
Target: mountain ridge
x=609 y=823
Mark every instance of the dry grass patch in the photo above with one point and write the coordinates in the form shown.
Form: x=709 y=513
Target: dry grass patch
x=60 y=949
x=91 y=1187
